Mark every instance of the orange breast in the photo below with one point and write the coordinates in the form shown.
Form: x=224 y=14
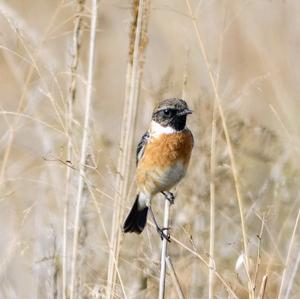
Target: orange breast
x=164 y=161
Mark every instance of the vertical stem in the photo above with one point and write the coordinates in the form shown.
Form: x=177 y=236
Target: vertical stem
x=162 y=280
x=84 y=145
x=133 y=78
x=71 y=100
x=293 y=275
x=258 y=257
x=288 y=258
x=211 y=274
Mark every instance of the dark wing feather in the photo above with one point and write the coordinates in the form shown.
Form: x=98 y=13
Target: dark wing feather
x=141 y=147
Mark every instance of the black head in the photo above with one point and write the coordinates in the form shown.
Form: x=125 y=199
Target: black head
x=171 y=113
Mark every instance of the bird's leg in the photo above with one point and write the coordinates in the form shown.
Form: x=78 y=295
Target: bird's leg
x=169 y=196
x=161 y=232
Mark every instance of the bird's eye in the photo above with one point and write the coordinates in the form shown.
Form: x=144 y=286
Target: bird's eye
x=167 y=112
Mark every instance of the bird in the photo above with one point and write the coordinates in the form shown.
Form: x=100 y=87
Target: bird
x=162 y=159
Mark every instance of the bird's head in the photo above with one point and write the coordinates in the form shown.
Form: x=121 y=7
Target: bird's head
x=171 y=113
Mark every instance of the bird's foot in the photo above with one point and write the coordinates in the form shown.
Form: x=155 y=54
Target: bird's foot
x=164 y=235
x=169 y=196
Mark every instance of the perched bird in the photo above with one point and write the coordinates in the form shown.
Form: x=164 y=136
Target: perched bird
x=162 y=158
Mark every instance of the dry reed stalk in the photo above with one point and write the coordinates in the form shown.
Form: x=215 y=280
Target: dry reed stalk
x=263 y=287
x=69 y=121
x=164 y=243
x=165 y=259
x=292 y=277
x=85 y=142
x=212 y=205
x=212 y=265
x=133 y=77
x=185 y=75
x=288 y=257
x=229 y=147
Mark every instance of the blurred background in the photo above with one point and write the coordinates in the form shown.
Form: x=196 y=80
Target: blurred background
x=252 y=51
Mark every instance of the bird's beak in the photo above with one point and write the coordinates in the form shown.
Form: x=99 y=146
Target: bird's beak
x=185 y=112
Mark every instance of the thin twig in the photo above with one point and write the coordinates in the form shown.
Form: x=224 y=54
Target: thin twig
x=85 y=143
x=258 y=257
x=221 y=279
x=174 y=278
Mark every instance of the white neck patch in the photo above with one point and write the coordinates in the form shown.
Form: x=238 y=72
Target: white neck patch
x=156 y=129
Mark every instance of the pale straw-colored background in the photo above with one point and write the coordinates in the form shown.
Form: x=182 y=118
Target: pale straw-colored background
x=253 y=54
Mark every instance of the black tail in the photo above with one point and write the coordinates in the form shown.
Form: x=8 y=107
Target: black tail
x=136 y=219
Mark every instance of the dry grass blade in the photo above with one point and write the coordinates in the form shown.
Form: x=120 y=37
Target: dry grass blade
x=85 y=142
x=293 y=277
x=212 y=206
x=24 y=89
x=174 y=278
x=20 y=115
x=262 y=291
x=288 y=257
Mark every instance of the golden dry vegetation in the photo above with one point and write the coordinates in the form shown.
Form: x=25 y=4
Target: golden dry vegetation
x=65 y=186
